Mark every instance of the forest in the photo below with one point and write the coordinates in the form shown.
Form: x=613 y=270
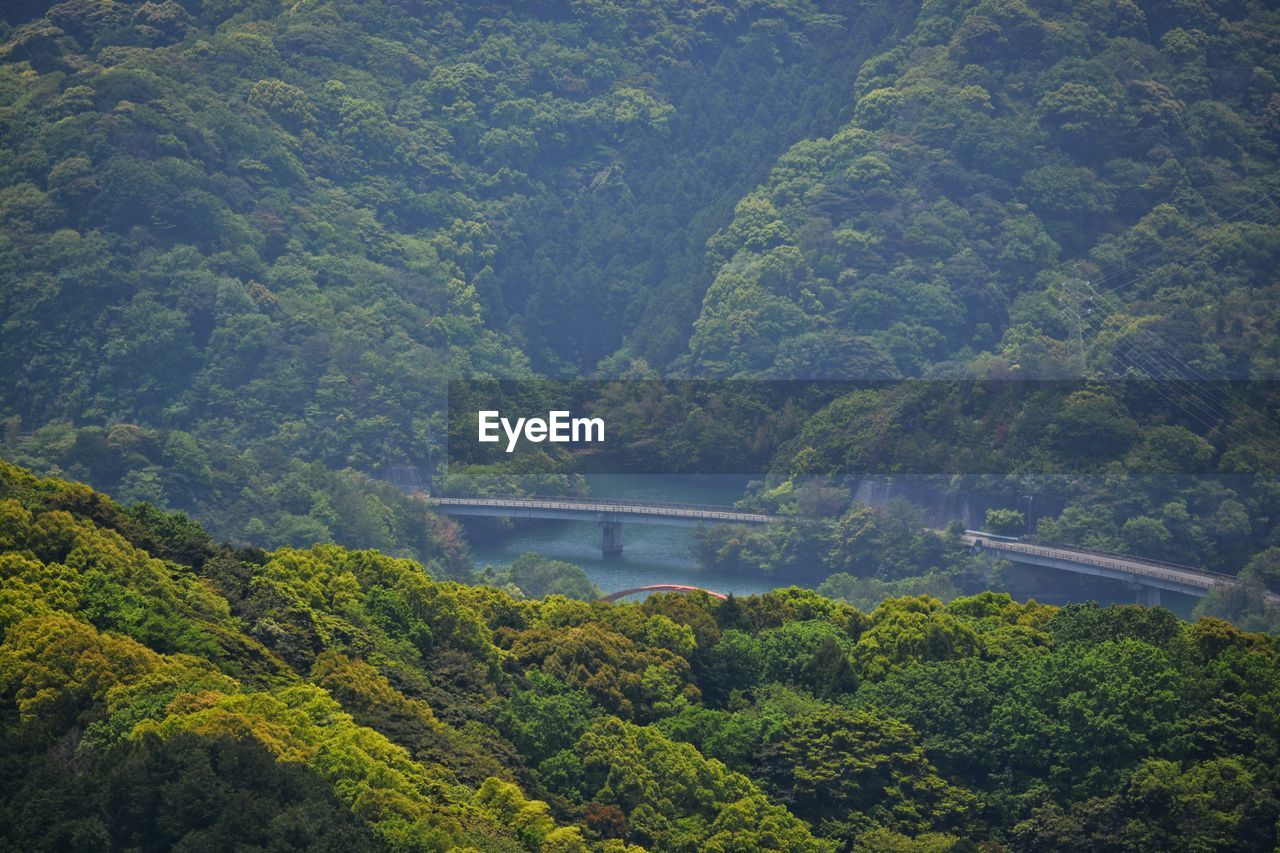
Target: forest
x=243 y=245
x=160 y=691
x=248 y=246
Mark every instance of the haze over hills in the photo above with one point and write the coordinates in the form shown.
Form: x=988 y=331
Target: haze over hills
x=245 y=245
x=245 y=242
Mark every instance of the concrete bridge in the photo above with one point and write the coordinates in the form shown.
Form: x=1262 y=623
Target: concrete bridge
x=1147 y=576
x=609 y=514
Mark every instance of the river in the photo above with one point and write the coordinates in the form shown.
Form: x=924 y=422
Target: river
x=659 y=554
x=650 y=553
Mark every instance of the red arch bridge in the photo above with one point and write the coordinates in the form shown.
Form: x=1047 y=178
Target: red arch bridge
x=662 y=587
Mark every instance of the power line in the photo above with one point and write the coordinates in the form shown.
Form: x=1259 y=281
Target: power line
x=1162 y=248
x=1203 y=409
x=1085 y=307
x=1153 y=355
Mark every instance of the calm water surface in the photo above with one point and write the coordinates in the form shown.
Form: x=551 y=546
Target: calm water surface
x=650 y=554
x=658 y=554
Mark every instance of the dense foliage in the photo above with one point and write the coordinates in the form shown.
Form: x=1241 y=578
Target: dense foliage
x=243 y=243
x=158 y=690
x=998 y=152
x=267 y=232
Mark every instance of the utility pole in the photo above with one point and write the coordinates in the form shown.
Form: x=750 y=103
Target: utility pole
x=1032 y=483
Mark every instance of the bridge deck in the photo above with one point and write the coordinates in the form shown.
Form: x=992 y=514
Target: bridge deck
x=1153 y=573
x=591 y=508
x=1170 y=576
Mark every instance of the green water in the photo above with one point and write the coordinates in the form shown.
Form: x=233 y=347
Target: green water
x=659 y=554
x=651 y=553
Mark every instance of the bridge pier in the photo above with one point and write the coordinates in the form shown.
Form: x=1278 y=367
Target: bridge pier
x=1148 y=596
x=610 y=537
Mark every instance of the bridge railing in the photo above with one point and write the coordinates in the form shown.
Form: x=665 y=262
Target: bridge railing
x=624 y=502
x=1118 y=563
x=606 y=505
x=1182 y=567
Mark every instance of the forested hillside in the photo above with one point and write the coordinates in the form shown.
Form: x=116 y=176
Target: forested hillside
x=158 y=690
x=265 y=234
x=243 y=244
x=998 y=155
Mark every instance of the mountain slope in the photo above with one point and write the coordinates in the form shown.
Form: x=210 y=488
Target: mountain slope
x=265 y=234
x=999 y=156
x=158 y=690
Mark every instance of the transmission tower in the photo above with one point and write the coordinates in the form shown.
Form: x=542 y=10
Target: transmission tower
x=1076 y=300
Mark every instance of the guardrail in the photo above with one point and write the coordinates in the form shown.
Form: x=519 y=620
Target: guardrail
x=1147 y=560
x=1126 y=565
x=1123 y=563
x=671 y=510
x=590 y=500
